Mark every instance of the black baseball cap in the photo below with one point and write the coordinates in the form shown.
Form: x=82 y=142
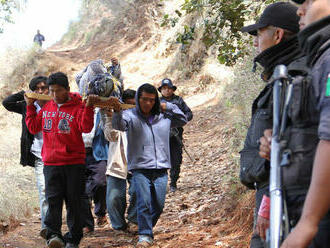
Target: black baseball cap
x=280 y=14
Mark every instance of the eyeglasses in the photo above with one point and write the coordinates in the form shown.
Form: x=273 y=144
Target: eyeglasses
x=147 y=99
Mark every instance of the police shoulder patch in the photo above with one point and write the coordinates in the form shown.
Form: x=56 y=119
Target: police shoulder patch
x=327 y=89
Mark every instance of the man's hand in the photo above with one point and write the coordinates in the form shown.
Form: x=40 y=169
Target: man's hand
x=91 y=100
x=29 y=101
x=114 y=61
x=262 y=226
x=301 y=236
x=265 y=144
x=163 y=106
x=108 y=112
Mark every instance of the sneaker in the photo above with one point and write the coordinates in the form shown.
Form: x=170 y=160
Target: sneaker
x=43 y=233
x=173 y=189
x=118 y=231
x=132 y=228
x=101 y=221
x=55 y=242
x=70 y=245
x=144 y=241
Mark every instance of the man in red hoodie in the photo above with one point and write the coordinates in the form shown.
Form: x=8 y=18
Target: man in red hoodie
x=62 y=122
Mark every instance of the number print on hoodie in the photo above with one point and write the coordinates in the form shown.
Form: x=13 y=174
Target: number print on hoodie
x=62 y=129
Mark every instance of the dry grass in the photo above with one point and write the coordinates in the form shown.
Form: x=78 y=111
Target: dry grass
x=17 y=67
x=18 y=194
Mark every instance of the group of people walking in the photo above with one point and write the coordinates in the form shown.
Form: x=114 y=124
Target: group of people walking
x=84 y=154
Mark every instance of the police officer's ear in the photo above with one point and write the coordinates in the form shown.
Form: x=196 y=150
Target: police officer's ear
x=278 y=35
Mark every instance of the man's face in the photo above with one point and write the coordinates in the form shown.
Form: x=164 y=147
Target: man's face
x=166 y=91
x=147 y=102
x=41 y=88
x=265 y=39
x=313 y=10
x=59 y=93
x=130 y=101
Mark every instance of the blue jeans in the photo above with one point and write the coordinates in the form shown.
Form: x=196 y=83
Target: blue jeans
x=116 y=202
x=150 y=194
x=40 y=178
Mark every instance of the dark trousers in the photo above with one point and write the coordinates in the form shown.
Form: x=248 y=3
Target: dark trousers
x=256 y=240
x=295 y=205
x=176 y=158
x=86 y=213
x=95 y=189
x=96 y=183
x=322 y=238
x=64 y=183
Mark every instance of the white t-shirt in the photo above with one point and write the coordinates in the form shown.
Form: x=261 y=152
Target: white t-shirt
x=37 y=141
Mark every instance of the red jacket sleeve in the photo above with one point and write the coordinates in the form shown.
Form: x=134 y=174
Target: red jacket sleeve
x=33 y=120
x=86 y=120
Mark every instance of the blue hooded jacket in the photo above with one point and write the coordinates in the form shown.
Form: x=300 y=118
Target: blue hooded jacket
x=148 y=143
x=100 y=143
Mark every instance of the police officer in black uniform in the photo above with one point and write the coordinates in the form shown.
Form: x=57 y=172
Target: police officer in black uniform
x=276 y=40
x=167 y=90
x=313 y=228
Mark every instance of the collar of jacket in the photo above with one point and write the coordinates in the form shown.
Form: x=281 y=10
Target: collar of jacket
x=315 y=39
x=173 y=97
x=283 y=53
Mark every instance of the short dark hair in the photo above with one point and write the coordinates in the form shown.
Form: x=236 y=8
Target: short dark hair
x=58 y=78
x=287 y=34
x=128 y=94
x=148 y=88
x=35 y=81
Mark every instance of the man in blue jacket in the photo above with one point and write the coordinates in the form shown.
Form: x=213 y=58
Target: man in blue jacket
x=148 y=153
x=39 y=38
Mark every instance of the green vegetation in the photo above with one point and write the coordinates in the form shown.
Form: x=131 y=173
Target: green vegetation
x=221 y=22
x=6 y=10
x=240 y=93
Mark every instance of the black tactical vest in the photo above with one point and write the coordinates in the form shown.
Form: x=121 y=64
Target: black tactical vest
x=301 y=136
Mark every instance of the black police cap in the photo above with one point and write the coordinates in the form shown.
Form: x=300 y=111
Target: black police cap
x=280 y=14
x=299 y=1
